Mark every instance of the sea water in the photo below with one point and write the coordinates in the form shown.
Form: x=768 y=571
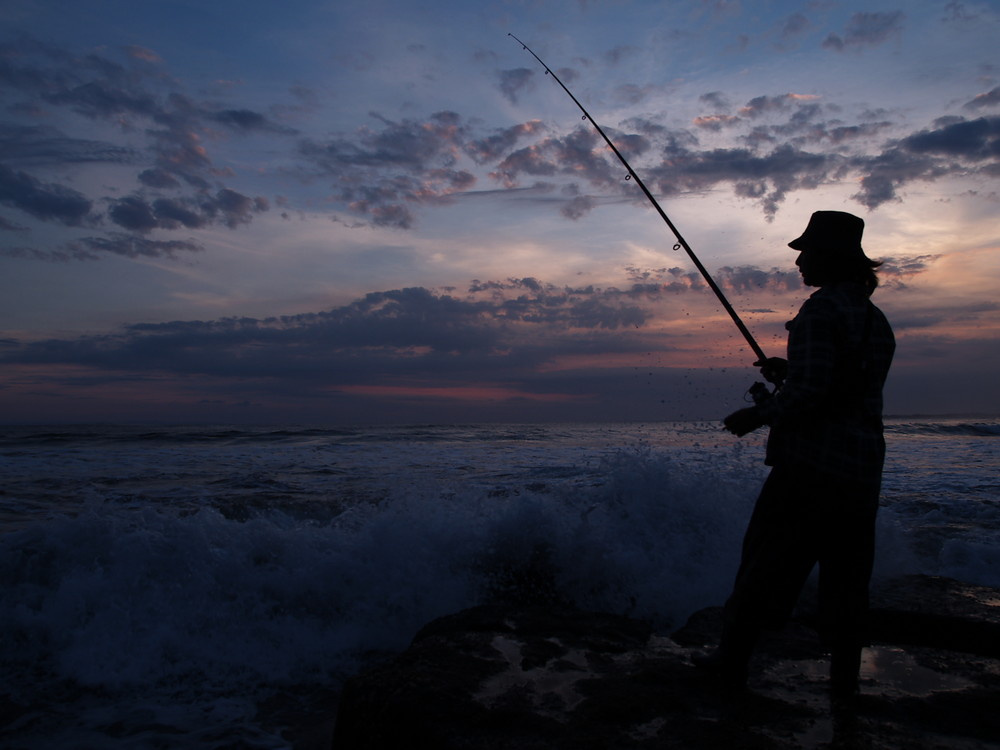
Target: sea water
x=169 y=586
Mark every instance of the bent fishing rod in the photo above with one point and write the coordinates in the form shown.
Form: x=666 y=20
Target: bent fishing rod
x=681 y=242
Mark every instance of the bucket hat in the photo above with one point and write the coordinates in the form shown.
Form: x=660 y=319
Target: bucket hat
x=831 y=230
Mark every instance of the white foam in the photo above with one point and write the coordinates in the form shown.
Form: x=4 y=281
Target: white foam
x=168 y=588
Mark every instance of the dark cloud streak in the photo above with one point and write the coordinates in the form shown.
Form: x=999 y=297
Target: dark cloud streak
x=134 y=97
x=529 y=338
x=115 y=243
x=514 y=323
x=225 y=207
x=45 y=201
x=518 y=320
x=867 y=29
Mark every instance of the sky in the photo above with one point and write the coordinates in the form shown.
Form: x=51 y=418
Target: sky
x=338 y=212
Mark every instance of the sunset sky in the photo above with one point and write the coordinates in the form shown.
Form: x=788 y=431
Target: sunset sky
x=384 y=211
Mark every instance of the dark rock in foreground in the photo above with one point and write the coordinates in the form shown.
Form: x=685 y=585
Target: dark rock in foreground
x=532 y=676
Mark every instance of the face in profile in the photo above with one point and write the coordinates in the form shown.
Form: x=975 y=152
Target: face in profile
x=815 y=266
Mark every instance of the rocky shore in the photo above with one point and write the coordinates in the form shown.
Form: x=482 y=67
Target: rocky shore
x=525 y=676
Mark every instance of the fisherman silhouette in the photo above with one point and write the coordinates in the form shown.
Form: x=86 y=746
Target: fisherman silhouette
x=826 y=450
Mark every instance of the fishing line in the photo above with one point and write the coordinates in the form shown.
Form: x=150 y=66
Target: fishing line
x=681 y=242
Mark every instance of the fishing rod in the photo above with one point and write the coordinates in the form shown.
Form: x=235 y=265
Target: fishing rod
x=681 y=242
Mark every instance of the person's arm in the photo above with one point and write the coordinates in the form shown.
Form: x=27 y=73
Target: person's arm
x=812 y=353
x=811 y=356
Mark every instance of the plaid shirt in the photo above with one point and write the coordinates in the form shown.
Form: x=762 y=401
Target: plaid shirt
x=827 y=415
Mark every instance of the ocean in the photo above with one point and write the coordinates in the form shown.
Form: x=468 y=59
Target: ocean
x=213 y=586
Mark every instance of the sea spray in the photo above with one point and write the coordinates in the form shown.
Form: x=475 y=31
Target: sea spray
x=160 y=588
x=121 y=597
x=659 y=540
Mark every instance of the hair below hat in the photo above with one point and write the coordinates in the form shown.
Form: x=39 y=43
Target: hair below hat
x=831 y=230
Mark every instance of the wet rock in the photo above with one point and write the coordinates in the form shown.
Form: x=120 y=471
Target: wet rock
x=938 y=612
x=536 y=676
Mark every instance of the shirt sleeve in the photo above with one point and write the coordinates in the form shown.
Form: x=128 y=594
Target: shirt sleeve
x=812 y=352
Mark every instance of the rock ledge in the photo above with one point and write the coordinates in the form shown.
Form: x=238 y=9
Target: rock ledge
x=532 y=676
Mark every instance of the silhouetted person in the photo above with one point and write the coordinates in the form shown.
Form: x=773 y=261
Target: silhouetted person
x=826 y=450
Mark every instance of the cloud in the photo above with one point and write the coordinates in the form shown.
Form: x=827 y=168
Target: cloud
x=131 y=247
x=763 y=105
x=973 y=140
x=171 y=213
x=381 y=172
x=233 y=208
x=512 y=82
x=38 y=145
x=715 y=99
x=764 y=177
x=133 y=213
x=100 y=88
x=494 y=146
x=742 y=279
x=794 y=25
x=838 y=134
x=620 y=53
x=386 y=173
x=737 y=279
x=895 y=272
x=406 y=144
x=505 y=340
x=45 y=201
x=580 y=155
x=578 y=207
x=8 y=226
x=142 y=53
x=958 y=11
x=94 y=248
x=407 y=330
x=866 y=30
x=248 y=121
x=630 y=94
x=716 y=123
x=989 y=99
x=788 y=145
x=413 y=332
x=226 y=207
x=957 y=147
x=100 y=99
x=946 y=315
x=124 y=91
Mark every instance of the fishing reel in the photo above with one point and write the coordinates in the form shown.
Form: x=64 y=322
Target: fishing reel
x=774 y=370
x=759 y=393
